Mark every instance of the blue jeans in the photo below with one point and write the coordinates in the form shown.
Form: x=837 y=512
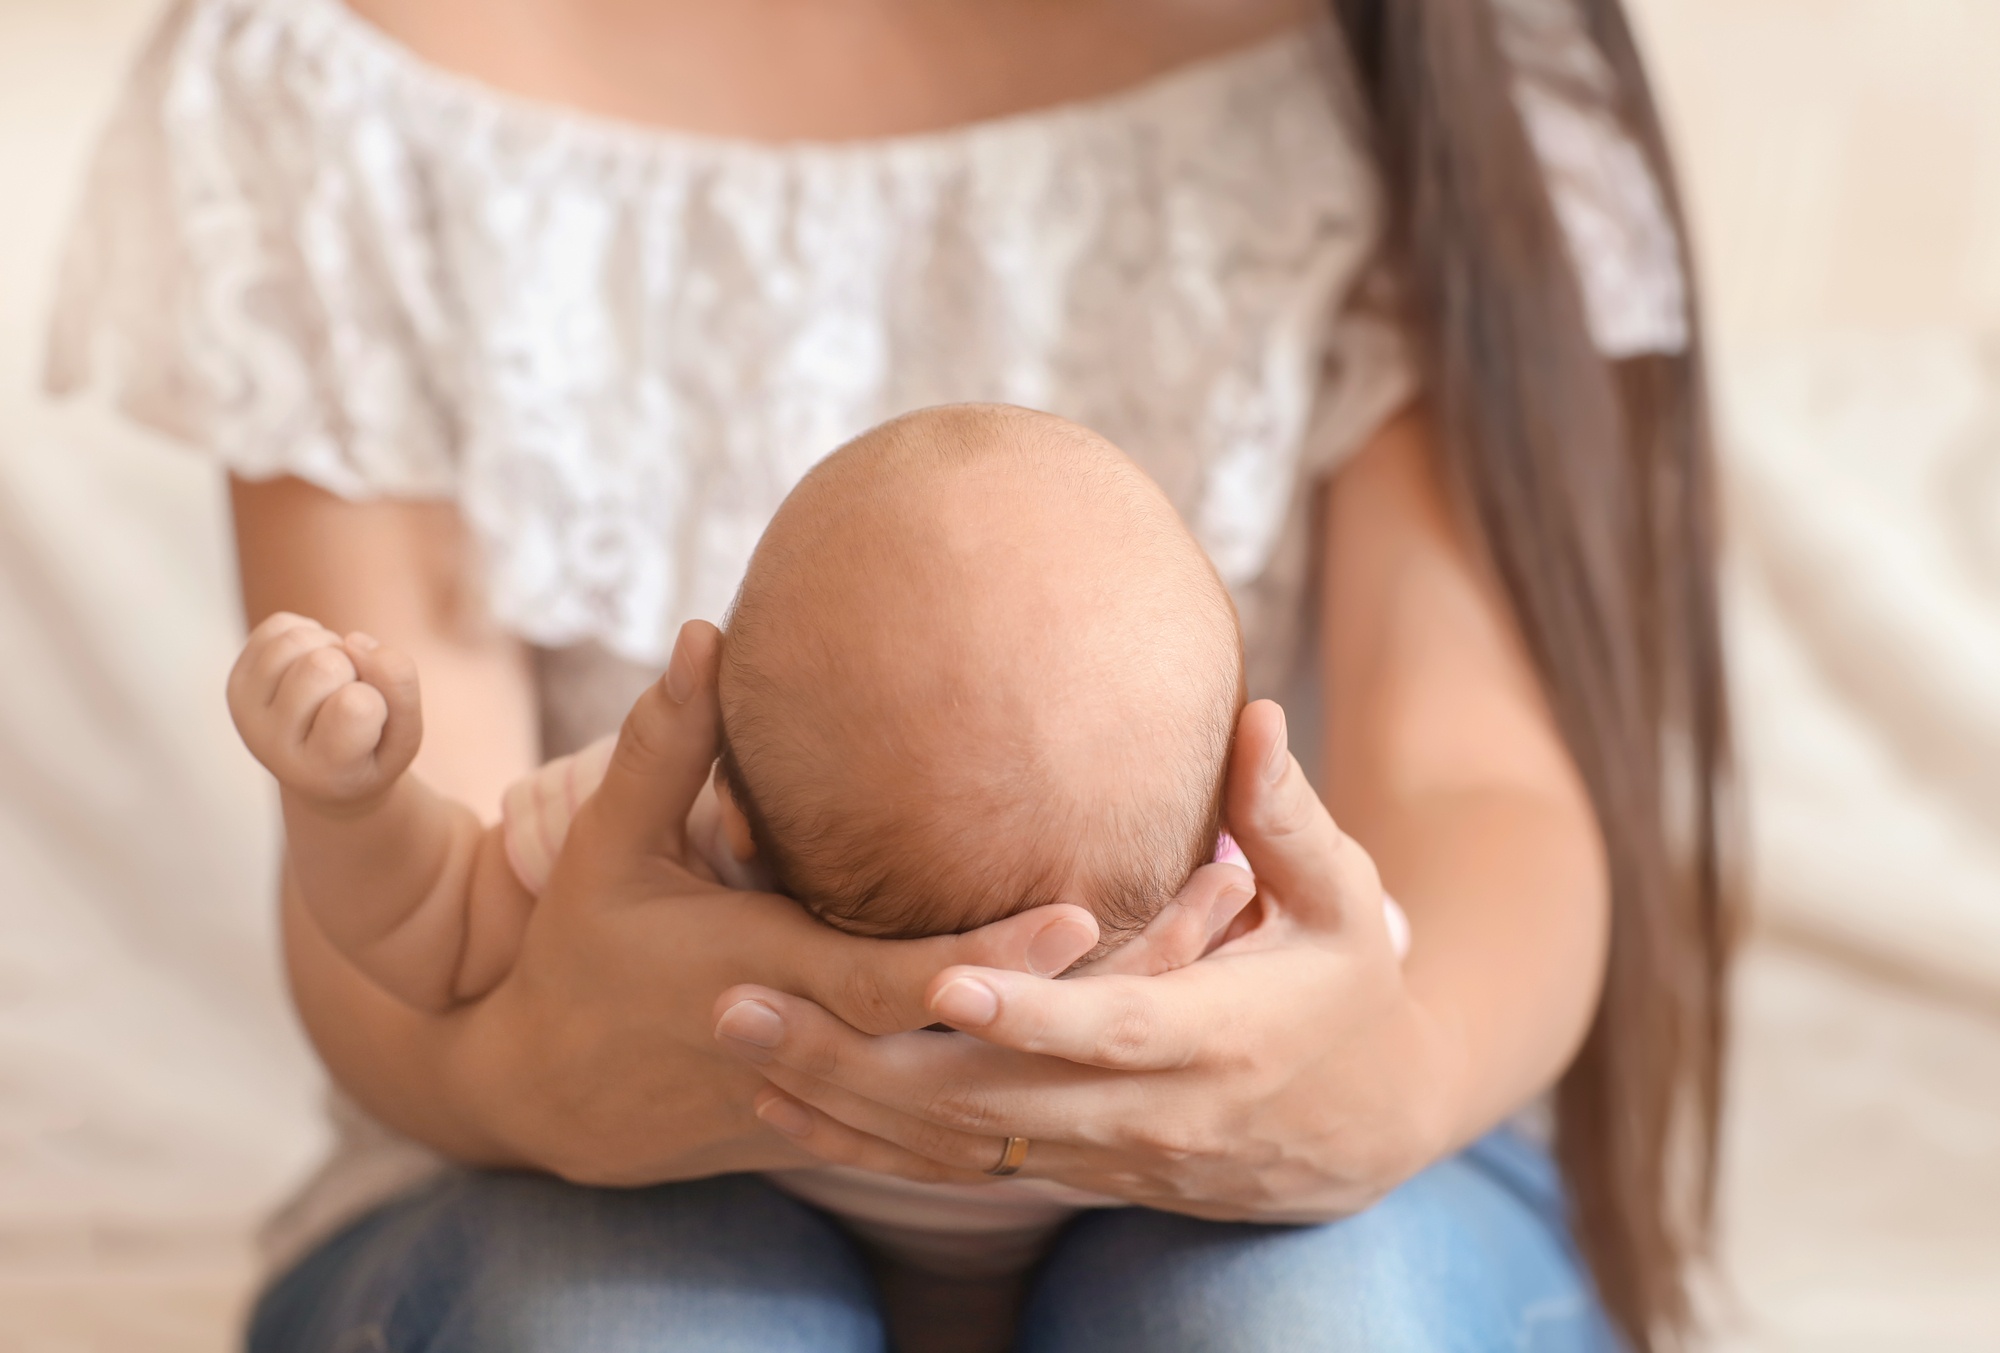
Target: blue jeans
x=1473 y=1254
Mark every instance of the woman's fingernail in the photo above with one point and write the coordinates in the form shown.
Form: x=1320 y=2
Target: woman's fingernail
x=1274 y=764
x=367 y=643
x=751 y=1022
x=1057 y=946
x=967 y=1003
x=788 y=1117
x=680 y=674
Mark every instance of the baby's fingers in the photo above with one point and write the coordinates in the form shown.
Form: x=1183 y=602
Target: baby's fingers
x=400 y=729
x=341 y=743
x=272 y=648
x=307 y=685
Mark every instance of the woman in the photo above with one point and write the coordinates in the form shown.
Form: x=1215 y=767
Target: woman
x=513 y=325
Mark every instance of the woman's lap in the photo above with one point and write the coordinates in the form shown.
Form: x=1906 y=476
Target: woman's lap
x=511 y=1263
x=1469 y=1255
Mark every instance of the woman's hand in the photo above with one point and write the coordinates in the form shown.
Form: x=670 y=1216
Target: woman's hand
x=1289 y=1075
x=594 y=1058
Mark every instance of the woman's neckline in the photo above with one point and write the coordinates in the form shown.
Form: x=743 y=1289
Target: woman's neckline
x=622 y=137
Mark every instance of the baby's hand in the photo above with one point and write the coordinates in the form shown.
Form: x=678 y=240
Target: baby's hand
x=336 y=720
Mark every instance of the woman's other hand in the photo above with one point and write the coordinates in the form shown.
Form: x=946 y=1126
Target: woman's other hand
x=1289 y=1075
x=1298 y=1071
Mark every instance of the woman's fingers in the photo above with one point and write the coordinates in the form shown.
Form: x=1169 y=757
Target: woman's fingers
x=955 y=1083
x=837 y=1144
x=879 y=986
x=1186 y=928
x=1307 y=865
x=844 y=1129
x=1111 y=1023
x=1118 y=1023
x=664 y=752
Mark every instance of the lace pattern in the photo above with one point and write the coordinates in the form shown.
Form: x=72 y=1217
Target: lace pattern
x=617 y=348
x=1621 y=239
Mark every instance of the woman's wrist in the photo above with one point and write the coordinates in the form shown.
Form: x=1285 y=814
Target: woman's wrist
x=1509 y=950
x=498 y=1121
x=1415 y=1118
x=1441 y=1099
x=508 y=1112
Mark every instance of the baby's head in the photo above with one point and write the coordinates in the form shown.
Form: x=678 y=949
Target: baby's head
x=977 y=665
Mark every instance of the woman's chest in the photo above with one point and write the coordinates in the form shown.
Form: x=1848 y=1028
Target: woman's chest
x=690 y=326
x=638 y=342
x=831 y=70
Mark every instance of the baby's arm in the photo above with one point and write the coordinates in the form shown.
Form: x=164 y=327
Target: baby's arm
x=406 y=884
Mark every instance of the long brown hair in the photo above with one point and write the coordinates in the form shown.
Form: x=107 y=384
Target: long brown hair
x=1589 y=484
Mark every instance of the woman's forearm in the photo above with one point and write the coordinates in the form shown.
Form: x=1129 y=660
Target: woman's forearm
x=1506 y=890
x=1446 y=764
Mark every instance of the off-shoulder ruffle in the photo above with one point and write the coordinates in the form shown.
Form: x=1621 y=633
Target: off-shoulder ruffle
x=247 y=273
x=616 y=348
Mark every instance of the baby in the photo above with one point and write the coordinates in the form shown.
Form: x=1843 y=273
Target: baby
x=977 y=664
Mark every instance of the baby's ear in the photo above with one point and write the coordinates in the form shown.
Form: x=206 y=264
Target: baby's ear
x=735 y=826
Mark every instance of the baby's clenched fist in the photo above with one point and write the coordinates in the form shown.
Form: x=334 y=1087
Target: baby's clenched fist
x=335 y=719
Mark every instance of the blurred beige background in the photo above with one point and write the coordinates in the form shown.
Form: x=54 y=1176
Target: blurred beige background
x=1843 y=160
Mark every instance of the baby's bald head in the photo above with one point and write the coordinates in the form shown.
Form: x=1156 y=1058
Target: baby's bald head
x=978 y=664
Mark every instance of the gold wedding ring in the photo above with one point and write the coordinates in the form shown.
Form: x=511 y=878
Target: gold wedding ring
x=1011 y=1157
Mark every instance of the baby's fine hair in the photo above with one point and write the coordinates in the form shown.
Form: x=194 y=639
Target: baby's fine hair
x=964 y=850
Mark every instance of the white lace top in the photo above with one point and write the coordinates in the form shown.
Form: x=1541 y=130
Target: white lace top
x=308 y=253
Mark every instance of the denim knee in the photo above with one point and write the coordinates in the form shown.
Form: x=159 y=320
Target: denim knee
x=527 y=1264
x=1456 y=1260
